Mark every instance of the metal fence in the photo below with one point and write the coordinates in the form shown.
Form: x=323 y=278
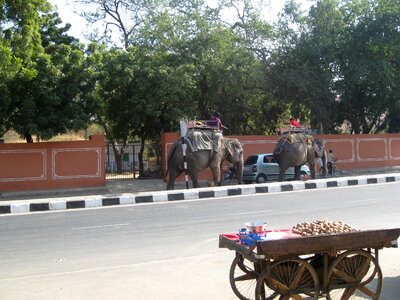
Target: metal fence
x=127 y=172
x=130 y=162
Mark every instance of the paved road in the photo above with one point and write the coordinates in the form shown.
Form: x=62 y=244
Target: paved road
x=169 y=250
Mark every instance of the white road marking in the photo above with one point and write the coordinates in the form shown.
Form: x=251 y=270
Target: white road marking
x=365 y=200
x=101 y=226
x=251 y=212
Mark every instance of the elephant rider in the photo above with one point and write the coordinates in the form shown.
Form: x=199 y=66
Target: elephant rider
x=215 y=121
x=216 y=124
x=295 y=123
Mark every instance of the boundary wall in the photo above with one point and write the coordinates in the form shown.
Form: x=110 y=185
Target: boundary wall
x=52 y=165
x=354 y=151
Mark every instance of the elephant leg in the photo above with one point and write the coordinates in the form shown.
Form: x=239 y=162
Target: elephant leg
x=297 y=172
x=193 y=176
x=281 y=174
x=312 y=168
x=216 y=172
x=171 y=180
x=215 y=166
x=195 y=182
x=170 y=184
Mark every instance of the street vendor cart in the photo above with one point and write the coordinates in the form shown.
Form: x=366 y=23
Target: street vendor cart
x=291 y=266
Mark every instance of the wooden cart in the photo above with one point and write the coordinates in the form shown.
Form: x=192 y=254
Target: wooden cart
x=333 y=266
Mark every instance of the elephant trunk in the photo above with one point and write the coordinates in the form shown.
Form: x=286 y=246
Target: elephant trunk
x=324 y=163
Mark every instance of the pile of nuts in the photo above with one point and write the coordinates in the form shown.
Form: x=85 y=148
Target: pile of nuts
x=322 y=227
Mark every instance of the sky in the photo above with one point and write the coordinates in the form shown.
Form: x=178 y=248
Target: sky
x=66 y=12
x=79 y=26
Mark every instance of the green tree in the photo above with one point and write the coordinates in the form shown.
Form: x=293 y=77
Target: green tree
x=19 y=44
x=299 y=71
x=338 y=63
x=9 y=66
x=271 y=46
x=140 y=94
x=225 y=71
x=52 y=102
x=46 y=82
x=54 y=98
x=369 y=66
x=52 y=32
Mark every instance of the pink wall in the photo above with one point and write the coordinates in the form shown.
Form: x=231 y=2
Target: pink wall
x=354 y=151
x=52 y=165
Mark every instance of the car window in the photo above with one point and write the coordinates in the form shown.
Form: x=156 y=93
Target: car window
x=270 y=159
x=266 y=160
x=251 y=160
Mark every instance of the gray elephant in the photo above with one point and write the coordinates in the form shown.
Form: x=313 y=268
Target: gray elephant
x=228 y=149
x=294 y=150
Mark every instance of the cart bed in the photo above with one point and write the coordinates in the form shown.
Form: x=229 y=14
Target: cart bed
x=329 y=243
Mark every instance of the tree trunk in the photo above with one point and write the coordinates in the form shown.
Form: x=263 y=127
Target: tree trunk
x=28 y=138
x=118 y=154
x=141 y=151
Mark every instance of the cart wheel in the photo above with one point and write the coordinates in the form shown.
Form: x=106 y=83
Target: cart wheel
x=243 y=277
x=354 y=275
x=289 y=279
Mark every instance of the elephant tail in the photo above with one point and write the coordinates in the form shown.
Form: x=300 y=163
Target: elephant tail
x=170 y=155
x=189 y=144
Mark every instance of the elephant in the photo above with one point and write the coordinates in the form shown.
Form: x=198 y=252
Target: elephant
x=296 y=150
x=230 y=150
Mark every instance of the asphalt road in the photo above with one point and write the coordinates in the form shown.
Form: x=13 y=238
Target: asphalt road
x=170 y=250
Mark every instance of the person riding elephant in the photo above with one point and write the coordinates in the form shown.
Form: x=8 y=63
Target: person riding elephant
x=294 y=150
x=200 y=158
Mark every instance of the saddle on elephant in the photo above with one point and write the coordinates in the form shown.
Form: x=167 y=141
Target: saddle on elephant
x=292 y=138
x=200 y=139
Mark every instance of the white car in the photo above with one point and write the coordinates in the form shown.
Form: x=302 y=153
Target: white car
x=262 y=167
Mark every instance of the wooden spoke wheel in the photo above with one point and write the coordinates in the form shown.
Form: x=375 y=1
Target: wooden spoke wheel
x=243 y=277
x=288 y=279
x=354 y=275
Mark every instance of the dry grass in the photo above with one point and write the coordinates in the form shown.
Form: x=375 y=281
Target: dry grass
x=12 y=137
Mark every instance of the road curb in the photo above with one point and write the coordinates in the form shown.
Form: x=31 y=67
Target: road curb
x=67 y=203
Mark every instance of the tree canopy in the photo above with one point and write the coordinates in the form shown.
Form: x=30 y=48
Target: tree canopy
x=153 y=63
x=46 y=85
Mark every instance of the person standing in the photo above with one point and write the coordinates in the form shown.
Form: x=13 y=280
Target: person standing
x=319 y=165
x=330 y=160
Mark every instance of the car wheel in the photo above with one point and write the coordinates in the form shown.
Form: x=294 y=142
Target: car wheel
x=247 y=181
x=261 y=178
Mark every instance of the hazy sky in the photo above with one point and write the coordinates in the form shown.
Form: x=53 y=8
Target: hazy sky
x=65 y=10
x=78 y=24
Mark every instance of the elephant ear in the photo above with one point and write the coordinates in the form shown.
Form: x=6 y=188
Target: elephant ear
x=232 y=146
x=318 y=146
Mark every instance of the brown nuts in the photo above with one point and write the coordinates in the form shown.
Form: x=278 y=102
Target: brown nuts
x=322 y=227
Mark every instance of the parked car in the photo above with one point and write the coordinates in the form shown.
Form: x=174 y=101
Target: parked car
x=262 y=167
